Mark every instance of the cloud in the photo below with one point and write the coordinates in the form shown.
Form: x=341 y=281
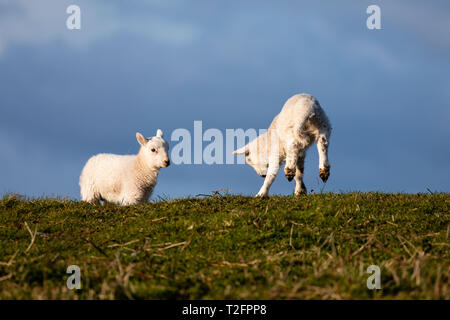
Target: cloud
x=229 y=65
x=427 y=19
x=41 y=22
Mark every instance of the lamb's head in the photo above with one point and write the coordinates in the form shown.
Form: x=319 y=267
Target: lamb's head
x=255 y=157
x=155 y=150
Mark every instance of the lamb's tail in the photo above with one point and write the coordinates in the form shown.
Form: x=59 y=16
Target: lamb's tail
x=299 y=128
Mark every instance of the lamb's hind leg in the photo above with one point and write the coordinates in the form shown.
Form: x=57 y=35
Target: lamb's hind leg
x=322 y=148
x=300 y=187
x=292 y=154
x=296 y=144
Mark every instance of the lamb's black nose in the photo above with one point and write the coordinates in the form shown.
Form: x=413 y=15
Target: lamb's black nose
x=167 y=162
x=263 y=175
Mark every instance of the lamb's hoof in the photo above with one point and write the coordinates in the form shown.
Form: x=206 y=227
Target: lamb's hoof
x=302 y=191
x=262 y=195
x=289 y=173
x=324 y=173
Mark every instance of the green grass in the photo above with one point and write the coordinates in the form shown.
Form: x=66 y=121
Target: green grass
x=230 y=247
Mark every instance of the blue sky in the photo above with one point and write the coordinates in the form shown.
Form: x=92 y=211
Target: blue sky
x=141 y=65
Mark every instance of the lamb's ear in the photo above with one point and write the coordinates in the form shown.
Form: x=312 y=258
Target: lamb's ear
x=141 y=139
x=244 y=150
x=159 y=133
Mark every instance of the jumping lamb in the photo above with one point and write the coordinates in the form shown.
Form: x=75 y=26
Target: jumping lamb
x=125 y=179
x=301 y=122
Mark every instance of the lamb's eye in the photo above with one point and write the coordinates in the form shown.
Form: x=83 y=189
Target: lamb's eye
x=153 y=150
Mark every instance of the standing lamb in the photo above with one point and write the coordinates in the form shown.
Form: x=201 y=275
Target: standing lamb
x=301 y=122
x=125 y=179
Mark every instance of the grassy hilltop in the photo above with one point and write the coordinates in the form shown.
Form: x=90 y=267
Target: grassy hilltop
x=230 y=247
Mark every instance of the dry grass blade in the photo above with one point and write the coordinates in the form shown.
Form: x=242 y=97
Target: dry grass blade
x=436 y=291
x=174 y=245
x=361 y=249
x=236 y=264
x=403 y=241
x=96 y=247
x=33 y=236
x=290 y=237
x=158 y=219
x=8 y=276
x=10 y=261
x=123 y=245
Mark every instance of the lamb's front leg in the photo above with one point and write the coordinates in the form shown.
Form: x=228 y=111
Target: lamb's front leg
x=274 y=166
